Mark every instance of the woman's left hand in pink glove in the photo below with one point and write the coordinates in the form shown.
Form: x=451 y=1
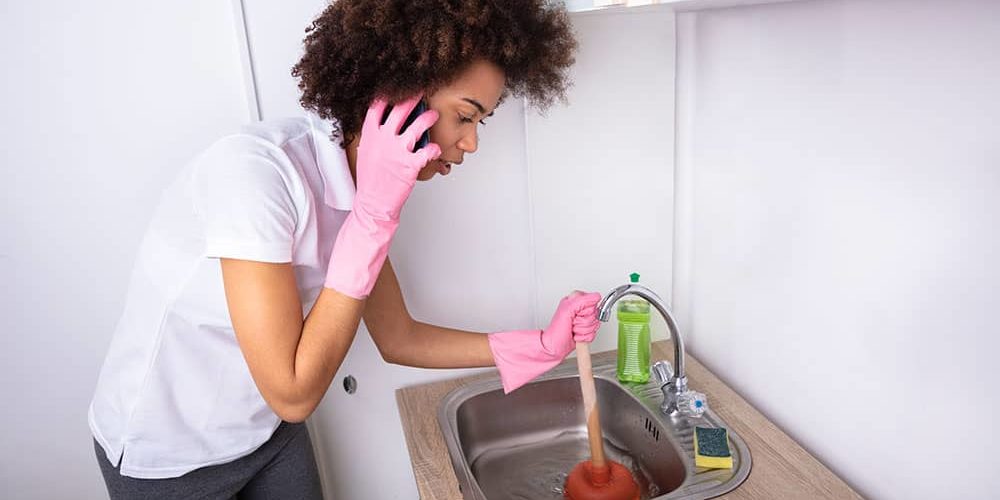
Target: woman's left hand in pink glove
x=522 y=355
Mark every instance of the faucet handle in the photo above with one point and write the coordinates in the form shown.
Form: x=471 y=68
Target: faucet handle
x=692 y=403
x=663 y=371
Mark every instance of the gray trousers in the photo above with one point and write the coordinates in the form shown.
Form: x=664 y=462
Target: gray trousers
x=283 y=467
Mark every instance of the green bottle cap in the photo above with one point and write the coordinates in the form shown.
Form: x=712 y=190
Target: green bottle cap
x=634 y=277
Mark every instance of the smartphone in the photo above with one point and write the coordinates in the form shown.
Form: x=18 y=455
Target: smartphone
x=417 y=111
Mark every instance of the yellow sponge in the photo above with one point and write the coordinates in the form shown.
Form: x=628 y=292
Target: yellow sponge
x=711 y=448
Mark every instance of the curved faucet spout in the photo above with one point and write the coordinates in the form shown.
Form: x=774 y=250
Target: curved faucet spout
x=678 y=382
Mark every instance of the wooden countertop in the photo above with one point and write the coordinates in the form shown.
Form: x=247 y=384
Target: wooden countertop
x=781 y=468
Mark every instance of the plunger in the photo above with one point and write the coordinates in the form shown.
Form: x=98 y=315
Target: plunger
x=597 y=478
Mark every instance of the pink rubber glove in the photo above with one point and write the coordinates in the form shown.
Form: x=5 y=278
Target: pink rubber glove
x=386 y=172
x=522 y=355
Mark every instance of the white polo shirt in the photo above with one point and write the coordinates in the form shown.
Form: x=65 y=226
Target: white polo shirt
x=175 y=392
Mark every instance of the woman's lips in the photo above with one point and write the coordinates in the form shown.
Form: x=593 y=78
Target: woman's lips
x=444 y=166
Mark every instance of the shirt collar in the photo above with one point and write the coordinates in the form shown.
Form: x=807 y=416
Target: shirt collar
x=331 y=161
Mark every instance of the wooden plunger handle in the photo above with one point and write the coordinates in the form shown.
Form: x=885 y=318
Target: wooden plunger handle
x=590 y=404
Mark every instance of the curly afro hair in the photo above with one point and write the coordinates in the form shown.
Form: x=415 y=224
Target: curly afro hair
x=357 y=50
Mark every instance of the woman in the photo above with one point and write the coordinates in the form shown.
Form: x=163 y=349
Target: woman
x=269 y=248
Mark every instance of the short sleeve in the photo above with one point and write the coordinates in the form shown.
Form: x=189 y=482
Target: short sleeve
x=242 y=195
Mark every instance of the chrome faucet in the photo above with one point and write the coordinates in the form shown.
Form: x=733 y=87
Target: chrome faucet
x=675 y=383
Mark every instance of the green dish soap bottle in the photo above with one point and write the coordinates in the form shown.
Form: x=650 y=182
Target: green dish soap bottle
x=633 y=338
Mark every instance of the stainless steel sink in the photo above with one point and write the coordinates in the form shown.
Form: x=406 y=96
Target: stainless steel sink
x=523 y=444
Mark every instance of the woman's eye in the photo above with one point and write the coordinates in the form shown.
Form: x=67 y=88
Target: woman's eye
x=468 y=119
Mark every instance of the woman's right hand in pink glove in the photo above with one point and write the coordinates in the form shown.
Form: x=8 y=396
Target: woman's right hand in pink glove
x=387 y=166
x=523 y=355
x=386 y=171
x=575 y=320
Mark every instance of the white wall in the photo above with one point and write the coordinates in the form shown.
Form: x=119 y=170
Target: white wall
x=602 y=167
x=101 y=104
x=275 y=31
x=837 y=178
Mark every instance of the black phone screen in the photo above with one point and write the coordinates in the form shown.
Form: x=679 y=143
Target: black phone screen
x=417 y=111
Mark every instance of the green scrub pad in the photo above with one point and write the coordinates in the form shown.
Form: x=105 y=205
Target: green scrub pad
x=711 y=448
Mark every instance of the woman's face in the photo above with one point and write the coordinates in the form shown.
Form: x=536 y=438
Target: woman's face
x=461 y=106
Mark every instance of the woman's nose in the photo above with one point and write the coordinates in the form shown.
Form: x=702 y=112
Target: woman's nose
x=469 y=142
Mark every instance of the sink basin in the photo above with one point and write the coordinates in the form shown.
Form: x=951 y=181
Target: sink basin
x=523 y=445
